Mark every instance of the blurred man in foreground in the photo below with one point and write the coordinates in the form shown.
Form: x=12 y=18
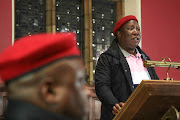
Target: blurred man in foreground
x=44 y=75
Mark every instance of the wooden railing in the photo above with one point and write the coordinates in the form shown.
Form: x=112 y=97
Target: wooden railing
x=3 y=99
x=94 y=104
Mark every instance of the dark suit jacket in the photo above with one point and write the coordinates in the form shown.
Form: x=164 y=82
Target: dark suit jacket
x=20 y=110
x=113 y=82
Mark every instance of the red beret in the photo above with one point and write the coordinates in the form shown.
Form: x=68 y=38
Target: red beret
x=122 y=21
x=31 y=52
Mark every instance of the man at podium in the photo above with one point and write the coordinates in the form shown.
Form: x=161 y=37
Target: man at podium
x=120 y=69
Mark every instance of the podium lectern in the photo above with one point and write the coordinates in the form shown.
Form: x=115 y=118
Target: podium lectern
x=151 y=100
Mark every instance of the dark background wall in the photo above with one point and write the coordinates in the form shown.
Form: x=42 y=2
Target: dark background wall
x=161 y=32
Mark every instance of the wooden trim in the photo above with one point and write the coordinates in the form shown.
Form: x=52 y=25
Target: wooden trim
x=120 y=9
x=51 y=16
x=88 y=54
x=3 y=93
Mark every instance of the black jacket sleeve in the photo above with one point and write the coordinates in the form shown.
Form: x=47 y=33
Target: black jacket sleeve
x=103 y=81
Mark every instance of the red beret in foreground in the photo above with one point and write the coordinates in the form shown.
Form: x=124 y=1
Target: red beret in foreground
x=32 y=52
x=122 y=21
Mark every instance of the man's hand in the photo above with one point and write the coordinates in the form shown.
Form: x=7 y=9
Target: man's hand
x=117 y=107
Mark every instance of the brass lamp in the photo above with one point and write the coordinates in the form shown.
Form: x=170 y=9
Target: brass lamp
x=163 y=63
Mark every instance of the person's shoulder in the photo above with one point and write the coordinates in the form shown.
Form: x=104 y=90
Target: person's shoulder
x=107 y=54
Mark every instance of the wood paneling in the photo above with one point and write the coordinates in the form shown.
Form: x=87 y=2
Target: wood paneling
x=3 y=100
x=88 y=39
x=50 y=16
x=94 y=105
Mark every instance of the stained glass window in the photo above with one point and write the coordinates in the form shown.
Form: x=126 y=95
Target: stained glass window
x=30 y=17
x=69 y=17
x=103 y=19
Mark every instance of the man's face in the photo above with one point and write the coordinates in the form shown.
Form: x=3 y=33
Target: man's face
x=71 y=93
x=58 y=88
x=129 y=35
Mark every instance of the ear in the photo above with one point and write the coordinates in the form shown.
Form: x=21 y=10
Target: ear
x=47 y=90
x=118 y=34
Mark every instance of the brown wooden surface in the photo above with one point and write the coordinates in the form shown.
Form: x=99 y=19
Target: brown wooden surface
x=3 y=99
x=88 y=40
x=151 y=100
x=94 y=104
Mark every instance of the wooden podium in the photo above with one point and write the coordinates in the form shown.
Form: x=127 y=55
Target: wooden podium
x=151 y=100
